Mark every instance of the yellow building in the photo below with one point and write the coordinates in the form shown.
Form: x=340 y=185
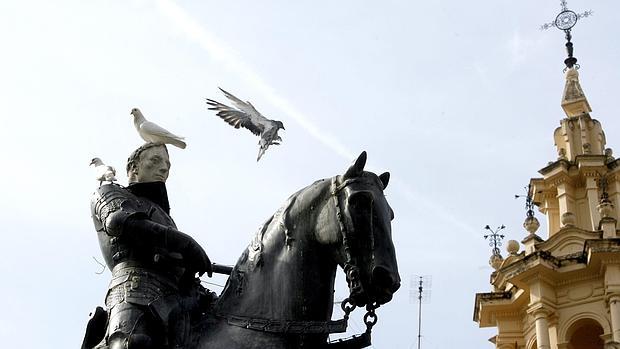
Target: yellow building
x=563 y=291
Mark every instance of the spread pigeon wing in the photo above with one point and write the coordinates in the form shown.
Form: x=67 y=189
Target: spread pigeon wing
x=245 y=107
x=238 y=118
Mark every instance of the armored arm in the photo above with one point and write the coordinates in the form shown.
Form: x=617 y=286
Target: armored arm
x=142 y=230
x=119 y=214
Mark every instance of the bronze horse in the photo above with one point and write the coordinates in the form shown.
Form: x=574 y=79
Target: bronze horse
x=280 y=292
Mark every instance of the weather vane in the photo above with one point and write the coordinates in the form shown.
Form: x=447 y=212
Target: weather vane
x=565 y=21
x=495 y=238
x=529 y=201
x=602 y=183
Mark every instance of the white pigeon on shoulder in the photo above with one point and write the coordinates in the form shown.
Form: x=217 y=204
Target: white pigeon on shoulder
x=151 y=132
x=103 y=172
x=247 y=116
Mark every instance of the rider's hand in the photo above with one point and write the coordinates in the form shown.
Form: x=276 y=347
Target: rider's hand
x=197 y=258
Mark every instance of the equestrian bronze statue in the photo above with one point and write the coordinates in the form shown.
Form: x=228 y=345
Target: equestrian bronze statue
x=280 y=292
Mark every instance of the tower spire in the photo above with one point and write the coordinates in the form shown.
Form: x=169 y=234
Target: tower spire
x=578 y=133
x=574 y=101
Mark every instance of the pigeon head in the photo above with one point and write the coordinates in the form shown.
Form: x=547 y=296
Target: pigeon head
x=136 y=113
x=96 y=162
x=279 y=124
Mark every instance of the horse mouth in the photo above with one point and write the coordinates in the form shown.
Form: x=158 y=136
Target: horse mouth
x=380 y=290
x=384 y=285
x=384 y=295
x=378 y=295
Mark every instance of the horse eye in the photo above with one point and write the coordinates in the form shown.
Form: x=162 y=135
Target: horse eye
x=359 y=199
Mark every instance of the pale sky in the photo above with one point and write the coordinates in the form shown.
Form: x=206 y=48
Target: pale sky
x=458 y=100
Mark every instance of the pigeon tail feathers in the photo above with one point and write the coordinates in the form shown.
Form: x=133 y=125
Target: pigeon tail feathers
x=261 y=151
x=177 y=143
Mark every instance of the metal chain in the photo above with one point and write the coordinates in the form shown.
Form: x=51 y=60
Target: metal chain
x=348 y=309
x=371 y=318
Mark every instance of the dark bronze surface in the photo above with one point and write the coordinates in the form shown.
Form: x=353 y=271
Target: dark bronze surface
x=287 y=273
x=280 y=292
x=154 y=293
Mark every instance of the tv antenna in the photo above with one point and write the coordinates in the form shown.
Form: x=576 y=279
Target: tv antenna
x=420 y=289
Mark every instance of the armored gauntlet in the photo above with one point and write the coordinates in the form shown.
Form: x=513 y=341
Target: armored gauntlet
x=158 y=235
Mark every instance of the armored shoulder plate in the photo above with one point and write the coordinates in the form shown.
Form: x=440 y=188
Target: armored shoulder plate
x=111 y=206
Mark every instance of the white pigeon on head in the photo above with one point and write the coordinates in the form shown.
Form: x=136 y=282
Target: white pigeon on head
x=151 y=132
x=247 y=116
x=103 y=172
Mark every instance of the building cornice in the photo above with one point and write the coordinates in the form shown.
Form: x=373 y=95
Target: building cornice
x=558 y=164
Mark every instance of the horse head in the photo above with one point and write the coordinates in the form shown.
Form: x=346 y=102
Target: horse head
x=366 y=251
x=283 y=282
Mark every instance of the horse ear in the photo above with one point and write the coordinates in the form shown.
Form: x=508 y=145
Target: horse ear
x=357 y=168
x=385 y=179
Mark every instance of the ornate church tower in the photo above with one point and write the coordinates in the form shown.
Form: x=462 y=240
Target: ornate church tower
x=563 y=290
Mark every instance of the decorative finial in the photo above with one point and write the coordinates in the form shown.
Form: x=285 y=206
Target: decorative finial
x=495 y=239
x=512 y=247
x=565 y=21
x=602 y=184
x=609 y=156
x=529 y=201
x=605 y=207
x=531 y=224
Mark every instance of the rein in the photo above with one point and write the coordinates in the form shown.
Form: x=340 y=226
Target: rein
x=313 y=327
x=357 y=341
x=288 y=326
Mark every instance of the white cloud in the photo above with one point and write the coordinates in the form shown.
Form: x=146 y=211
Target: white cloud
x=197 y=33
x=231 y=60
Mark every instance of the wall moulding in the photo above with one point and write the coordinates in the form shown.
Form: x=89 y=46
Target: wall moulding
x=580 y=292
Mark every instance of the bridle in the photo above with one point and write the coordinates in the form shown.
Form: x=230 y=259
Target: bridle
x=352 y=273
x=351 y=269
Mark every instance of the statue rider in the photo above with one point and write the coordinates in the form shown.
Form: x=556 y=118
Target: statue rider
x=154 y=292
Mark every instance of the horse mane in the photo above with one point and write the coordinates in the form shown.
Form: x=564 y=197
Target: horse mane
x=280 y=223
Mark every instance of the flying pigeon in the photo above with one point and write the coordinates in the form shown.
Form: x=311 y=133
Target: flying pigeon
x=103 y=172
x=247 y=116
x=151 y=132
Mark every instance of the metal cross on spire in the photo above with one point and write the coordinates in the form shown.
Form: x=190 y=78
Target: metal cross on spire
x=565 y=21
x=495 y=239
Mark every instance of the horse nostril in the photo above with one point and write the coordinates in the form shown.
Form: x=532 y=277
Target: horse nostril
x=395 y=287
x=384 y=278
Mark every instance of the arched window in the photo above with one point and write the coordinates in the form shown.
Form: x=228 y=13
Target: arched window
x=585 y=334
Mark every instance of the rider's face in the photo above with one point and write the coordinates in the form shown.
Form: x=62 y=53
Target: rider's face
x=154 y=165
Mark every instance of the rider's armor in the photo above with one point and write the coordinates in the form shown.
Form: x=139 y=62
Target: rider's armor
x=152 y=293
